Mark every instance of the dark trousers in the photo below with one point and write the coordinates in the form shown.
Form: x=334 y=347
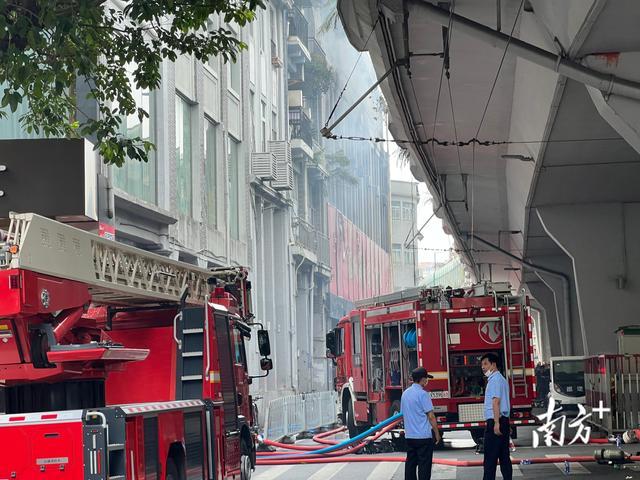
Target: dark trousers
x=420 y=456
x=497 y=448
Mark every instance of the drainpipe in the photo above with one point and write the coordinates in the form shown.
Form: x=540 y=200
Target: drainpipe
x=554 y=273
x=610 y=84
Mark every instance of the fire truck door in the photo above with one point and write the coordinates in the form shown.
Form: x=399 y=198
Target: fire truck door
x=228 y=389
x=242 y=377
x=359 y=380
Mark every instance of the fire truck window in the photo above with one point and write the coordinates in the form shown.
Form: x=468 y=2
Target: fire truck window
x=357 y=339
x=339 y=341
x=238 y=348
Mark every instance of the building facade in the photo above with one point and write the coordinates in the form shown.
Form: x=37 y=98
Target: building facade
x=242 y=177
x=404 y=234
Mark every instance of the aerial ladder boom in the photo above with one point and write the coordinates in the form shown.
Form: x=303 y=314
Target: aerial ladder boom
x=117 y=274
x=67 y=286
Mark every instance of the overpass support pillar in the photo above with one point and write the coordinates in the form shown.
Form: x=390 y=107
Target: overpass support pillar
x=549 y=321
x=603 y=243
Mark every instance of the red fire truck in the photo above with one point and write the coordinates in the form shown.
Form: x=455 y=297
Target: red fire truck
x=446 y=331
x=116 y=363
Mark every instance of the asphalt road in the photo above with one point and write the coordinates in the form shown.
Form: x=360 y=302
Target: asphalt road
x=460 y=446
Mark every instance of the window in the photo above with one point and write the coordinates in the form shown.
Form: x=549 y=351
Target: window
x=357 y=338
x=397 y=253
x=213 y=61
x=183 y=156
x=274 y=126
x=211 y=173
x=395 y=210
x=407 y=211
x=234 y=75
x=408 y=256
x=134 y=177
x=263 y=123
x=234 y=187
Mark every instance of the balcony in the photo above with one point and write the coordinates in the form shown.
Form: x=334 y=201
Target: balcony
x=313 y=244
x=301 y=131
x=297 y=42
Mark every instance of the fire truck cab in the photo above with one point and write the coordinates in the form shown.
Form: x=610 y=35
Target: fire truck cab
x=447 y=331
x=116 y=363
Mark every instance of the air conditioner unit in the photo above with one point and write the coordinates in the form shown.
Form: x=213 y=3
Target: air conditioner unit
x=264 y=165
x=284 y=165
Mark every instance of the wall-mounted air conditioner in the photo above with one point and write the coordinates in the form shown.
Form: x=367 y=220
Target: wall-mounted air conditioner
x=264 y=165
x=284 y=166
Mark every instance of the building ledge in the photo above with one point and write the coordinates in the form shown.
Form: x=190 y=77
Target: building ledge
x=301 y=145
x=298 y=52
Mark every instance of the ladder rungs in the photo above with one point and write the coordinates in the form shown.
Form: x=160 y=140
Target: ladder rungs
x=190 y=331
x=191 y=354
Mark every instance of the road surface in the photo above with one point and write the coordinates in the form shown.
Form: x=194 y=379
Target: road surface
x=459 y=448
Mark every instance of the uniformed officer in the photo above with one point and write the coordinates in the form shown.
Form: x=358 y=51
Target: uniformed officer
x=417 y=410
x=496 y=412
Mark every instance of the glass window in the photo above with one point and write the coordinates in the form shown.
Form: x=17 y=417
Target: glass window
x=408 y=256
x=357 y=338
x=234 y=187
x=213 y=24
x=211 y=173
x=395 y=210
x=234 y=75
x=274 y=126
x=263 y=122
x=397 y=253
x=183 y=156
x=138 y=178
x=407 y=211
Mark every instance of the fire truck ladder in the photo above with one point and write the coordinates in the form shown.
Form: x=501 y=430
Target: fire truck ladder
x=517 y=353
x=117 y=274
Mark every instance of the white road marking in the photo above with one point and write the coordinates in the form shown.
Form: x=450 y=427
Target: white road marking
x=444 y=472
x=576 y=468
x=272 y=473
x=384 y=470
x=328 y=471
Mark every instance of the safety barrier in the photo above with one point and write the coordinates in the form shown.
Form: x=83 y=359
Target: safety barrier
x=290 y=415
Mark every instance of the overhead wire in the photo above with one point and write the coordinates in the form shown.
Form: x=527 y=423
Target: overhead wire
x=484 y=114
x=471 y=141
x=344 y=89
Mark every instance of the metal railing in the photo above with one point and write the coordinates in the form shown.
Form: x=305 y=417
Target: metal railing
x=298 y=25
x=293 y=414
x=312 y=239
x=301 y=125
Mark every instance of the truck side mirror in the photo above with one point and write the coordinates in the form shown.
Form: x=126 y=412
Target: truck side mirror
x=331 y=344
x=264 y=346
x=266 y=364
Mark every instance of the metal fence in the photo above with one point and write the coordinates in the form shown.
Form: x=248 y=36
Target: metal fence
x=293 y=414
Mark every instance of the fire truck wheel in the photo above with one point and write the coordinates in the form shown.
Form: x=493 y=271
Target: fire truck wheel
x=172 y=470
x=246 y=464
x=351 y=422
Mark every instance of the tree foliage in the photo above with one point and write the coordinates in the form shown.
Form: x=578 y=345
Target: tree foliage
x=49 y=48
x=318 y=76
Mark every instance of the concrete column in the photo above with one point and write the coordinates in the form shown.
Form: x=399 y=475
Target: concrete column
x=547 y=303
x=602 y=241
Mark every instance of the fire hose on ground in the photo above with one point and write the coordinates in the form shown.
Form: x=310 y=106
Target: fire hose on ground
x=338 y=451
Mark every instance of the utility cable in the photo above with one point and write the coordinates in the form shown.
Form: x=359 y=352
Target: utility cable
x=484 y=113
x=333 y=110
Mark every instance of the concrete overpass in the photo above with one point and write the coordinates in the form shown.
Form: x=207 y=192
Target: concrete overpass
x=552 y=202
